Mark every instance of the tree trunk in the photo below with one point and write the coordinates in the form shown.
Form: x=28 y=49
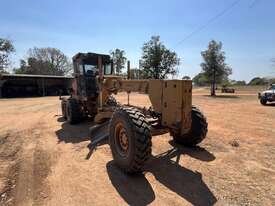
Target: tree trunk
x=213 y=93
x=213 y=85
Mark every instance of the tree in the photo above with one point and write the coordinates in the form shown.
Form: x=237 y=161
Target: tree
x=258 y=81
x=186 y=78
x=157 y=61
x=237 y=83
x=23 y=69
x=45 y=61
x=6 y=48
x=119 y=59
x=214 y=67
x=200 y=80
x=136 y=73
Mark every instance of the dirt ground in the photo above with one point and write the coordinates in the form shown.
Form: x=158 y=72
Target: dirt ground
x=45 y=161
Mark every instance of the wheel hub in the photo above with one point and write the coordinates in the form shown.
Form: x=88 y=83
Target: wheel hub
x=122 y=140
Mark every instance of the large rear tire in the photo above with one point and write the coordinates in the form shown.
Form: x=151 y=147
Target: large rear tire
x=73 y=111
x=130 y=139
x=197 y=132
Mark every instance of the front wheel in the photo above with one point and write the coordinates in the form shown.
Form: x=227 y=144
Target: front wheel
x=130 y=139
x=73 y=111
x=197 y=132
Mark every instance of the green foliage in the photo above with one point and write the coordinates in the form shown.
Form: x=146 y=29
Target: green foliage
x=186 y=78
x=258 y=81
x=6 y=48
x=136 y=74
x=119 y=59
x=214 y=67
x=45 y=61
x=200 y=80
x=157 y=61
x=237 y=83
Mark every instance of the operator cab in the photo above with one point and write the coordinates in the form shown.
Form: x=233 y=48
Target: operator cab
x=87 y=66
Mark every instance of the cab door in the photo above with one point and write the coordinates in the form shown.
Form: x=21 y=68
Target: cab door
x=79 y=88
x=90 y=74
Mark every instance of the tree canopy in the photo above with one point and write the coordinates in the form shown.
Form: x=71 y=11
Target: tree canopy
x=119 y=59
x=237 y=83
x=258 y=81
x=45 y=61
x=157 y=61
x=6 y=48
x=214 y=67
x=200 y=80
x=186 y=78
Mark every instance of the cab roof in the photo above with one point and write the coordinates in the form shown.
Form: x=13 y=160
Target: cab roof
x=91 y=57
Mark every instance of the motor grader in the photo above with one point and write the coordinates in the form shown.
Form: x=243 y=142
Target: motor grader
x=130 y=128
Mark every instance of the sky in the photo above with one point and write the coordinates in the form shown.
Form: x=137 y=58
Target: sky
x=245 y=27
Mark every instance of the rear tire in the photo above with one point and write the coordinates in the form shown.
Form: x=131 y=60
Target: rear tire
x=130 y=139
x=73 y=111
x=197 y=132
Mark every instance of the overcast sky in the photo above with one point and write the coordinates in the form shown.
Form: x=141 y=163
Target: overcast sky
x=245 y=27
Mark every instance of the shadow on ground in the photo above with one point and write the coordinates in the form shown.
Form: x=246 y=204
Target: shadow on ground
x=189 y=185
x=221 y=96
x=73 y=133
x=194 y=152
x=78 y=133
x=270 y=105
x=93 y=146
x=134 y=189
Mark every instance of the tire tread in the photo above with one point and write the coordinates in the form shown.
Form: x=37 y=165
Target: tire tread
x=143 y=140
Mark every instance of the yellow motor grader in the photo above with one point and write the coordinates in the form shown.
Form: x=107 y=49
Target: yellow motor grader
x=130 y=128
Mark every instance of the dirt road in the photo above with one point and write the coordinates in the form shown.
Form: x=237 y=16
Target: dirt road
x=45 y=161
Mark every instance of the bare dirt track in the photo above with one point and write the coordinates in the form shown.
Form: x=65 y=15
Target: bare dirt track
x=45 y=161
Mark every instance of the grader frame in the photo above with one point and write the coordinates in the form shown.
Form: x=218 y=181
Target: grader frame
x=171 y=99
x=130 y=127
